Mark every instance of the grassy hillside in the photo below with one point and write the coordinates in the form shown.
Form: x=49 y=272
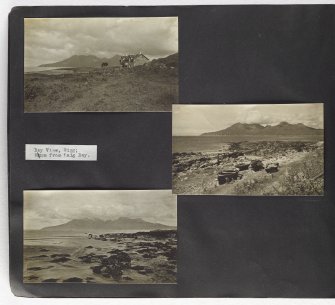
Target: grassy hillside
x=96 y=89
x=169 y=61
x=303 y=177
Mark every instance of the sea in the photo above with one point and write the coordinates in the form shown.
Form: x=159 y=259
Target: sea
x=32 y=237
x=48 y=70
x=217 y=143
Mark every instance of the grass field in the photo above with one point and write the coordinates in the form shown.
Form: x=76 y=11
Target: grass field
x=95 y=89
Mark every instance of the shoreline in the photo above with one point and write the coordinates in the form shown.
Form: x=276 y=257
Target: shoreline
x=196 y=173
x=120 y=258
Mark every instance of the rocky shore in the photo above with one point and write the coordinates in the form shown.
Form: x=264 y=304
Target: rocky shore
x=142 y=257
x=198 y=172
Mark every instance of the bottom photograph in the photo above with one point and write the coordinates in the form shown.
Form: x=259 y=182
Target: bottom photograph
x=107 y=237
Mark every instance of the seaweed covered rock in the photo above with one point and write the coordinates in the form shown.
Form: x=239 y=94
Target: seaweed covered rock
x=113 y=265
x=118 y=257
x=149 y=255
x=97 y=269
x=61 y=259
x=162 y=234
x=40 y=256
x=60 y=255
x=171 y=254
x=92 y=258
x=51 y=280
x=145 y=271
x=32 y=277
x=114 y=271
x=73 y=280
x=138 y=267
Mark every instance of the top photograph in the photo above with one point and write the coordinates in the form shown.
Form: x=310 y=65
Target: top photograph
x=100 y=64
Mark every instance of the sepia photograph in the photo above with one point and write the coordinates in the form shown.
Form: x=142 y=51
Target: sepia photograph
x=100 y=64
x=103 y=237
x=258 y=149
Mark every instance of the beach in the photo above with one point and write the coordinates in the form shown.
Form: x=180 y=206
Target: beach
x=113 y=258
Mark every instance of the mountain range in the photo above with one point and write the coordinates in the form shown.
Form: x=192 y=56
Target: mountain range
x=170 y=61
x=122 y=223
x=79 y=61
x=282 y=128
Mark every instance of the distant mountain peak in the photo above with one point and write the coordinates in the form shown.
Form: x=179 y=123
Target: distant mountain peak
x=283 y=123
x=96 y=224
x=89 y=60
x=84 y=60
x=283 y=128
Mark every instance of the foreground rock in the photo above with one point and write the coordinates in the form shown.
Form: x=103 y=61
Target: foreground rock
x=113 y=265
x=155 y=234
x=73 y=280
x=272 y=167
x=256 y=165
x=138 y=257
x=50 y=280
x=61 y=259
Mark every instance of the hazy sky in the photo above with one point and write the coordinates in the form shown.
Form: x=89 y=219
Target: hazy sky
x=49 y=208
x=197 y=119
x=49 y=40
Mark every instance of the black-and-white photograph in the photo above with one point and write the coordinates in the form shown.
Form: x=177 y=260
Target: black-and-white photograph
x=259 y=149
x=100 y=64
x=106 y=237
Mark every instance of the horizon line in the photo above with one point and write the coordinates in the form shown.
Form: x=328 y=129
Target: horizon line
x=264 y=125
x=149 y=57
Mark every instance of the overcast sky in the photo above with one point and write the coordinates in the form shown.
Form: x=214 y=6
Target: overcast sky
x=194 y=120
x=50 y=40
x=49 y=208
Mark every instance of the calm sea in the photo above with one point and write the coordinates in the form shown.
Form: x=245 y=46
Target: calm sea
x=215 y=143
x=47 y=70
x=40 y=234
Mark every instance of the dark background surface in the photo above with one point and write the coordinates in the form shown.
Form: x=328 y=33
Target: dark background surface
x=227 y=246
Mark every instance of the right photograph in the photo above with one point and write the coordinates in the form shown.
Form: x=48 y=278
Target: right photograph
x=248 y=149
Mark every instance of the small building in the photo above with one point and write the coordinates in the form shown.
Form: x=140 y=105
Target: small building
x=140 y=59
x=128 y=61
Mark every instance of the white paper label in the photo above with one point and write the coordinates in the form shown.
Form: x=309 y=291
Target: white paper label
x=52 y=152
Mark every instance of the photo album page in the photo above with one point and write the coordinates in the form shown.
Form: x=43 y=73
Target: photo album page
x=172 y=151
